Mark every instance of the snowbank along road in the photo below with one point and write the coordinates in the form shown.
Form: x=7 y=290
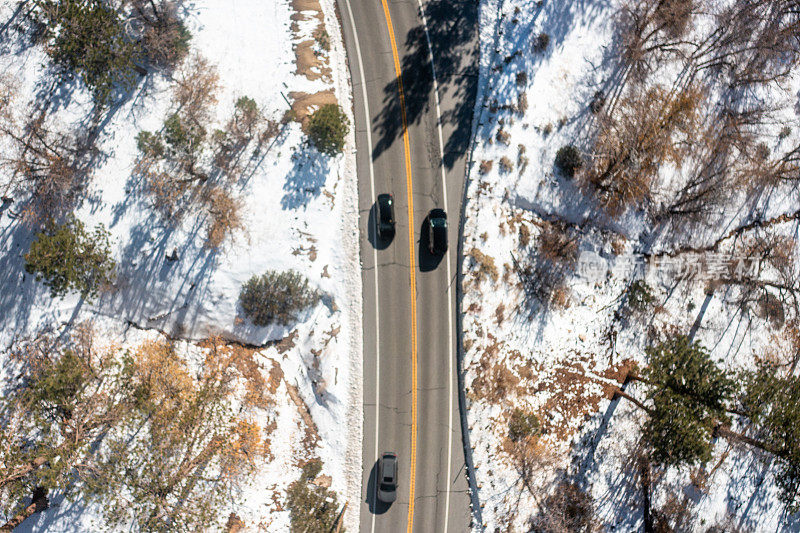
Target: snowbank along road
x=413 y=67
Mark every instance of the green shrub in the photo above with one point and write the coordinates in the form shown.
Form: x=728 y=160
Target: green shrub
x=89 y=39
x=276 y=297
x=327 y=129
x=150 y=144
x=183 y=136
x=523 y=425
x=640 y=295
x=312 y=508
x=68 y=258
x=246 y=106
x=568 y=160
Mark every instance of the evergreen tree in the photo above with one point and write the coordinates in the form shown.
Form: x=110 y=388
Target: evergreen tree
x=68 y=258
x=276 y=297
x=327 y=129
x=568 y=160
x=772 y=402
x=69 y=397
x=689 y=393
x=313 y=509
x=87 y=37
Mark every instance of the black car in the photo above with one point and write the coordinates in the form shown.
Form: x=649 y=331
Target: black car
x=437 y=231
x=387 y=477
x=385 y=216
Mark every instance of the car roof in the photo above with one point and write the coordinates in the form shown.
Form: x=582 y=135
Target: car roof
x=389 y=465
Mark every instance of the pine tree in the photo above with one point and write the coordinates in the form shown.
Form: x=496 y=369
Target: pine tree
x=70 y=395
x=88 y=38
x=68 y=258
x=276 y=297
x=687 y=394
x=772 y=402
x=327 y=129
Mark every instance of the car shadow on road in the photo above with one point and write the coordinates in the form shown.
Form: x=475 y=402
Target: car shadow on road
x=375 y=506
x=427 y=260
x=374 y=239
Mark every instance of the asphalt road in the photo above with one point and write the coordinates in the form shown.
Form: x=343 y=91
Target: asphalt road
x=410 y=386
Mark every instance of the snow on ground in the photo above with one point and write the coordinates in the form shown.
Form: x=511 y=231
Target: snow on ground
x=562 y=356
x=299 y=210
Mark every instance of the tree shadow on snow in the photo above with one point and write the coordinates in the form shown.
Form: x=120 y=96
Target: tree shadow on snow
x=156 y=288
x=306 y=179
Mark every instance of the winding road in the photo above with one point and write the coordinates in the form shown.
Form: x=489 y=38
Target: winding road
x=413 y=65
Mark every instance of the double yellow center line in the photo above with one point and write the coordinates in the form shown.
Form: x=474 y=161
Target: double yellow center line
x=412 y=268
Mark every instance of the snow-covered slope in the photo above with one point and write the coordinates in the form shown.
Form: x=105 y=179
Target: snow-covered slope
x=556 y=338
x=299 y=213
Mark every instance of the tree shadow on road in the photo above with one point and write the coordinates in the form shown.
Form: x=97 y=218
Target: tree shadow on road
x=453 y=26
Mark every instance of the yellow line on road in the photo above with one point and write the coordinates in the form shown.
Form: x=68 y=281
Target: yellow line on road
x=410 y=194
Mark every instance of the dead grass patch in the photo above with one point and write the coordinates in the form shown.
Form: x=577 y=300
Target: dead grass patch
x=303 y=104
x=485 y=265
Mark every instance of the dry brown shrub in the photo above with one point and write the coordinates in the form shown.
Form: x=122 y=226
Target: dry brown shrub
x=618 y=244
x=673 y=16
x=486 y=166
x=524 y=235
x=566 y=509
x=503 y=136
x=561 y=297
x=162 y=37
x=258 y=392
x=485 y=265
x=647 y=128
x=506 y=165
x=196 y=87
x=225 y=216
x=494 y=382
x=499 y=314
x=529 y=456
x=163 y=190
x=522 y=103
x=557 y=245
x=49 y=167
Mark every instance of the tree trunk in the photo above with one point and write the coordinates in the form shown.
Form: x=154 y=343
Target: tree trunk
x=637 y=403
x=726 y=433
x=39 y=503
x=644 y=471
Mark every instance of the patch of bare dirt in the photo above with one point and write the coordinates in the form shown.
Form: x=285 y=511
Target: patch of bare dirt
x=303 y=104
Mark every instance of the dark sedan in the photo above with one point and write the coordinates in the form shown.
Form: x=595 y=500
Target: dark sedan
x=385 y=216
x=437 y=231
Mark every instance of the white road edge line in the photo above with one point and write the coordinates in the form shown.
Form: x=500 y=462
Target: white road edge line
x=374 y=252
x=449 y=276
x=375 y=255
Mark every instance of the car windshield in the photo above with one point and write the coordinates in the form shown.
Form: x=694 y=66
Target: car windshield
x=387 y=487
